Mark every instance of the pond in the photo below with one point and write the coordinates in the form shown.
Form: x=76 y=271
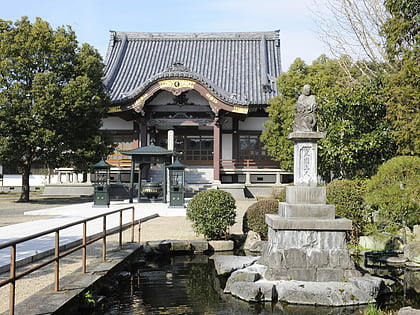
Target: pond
x=190 y=285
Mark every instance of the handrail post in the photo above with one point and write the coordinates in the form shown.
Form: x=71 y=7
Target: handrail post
x=139 y=222
x=104 y=239
x=12 y=293
x=132 y=225
x=57 y=261
x=84 y=248
x=120 y=238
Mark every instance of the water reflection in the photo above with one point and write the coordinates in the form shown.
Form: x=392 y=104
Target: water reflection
x=189 y=285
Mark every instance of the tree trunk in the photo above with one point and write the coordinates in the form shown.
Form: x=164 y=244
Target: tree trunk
x=24 y=196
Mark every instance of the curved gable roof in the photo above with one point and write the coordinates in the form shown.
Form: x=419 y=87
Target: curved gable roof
x=241 y=68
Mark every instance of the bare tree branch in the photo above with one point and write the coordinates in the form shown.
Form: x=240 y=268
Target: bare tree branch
x=353 y=28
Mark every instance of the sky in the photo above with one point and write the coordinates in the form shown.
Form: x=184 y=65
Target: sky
x=92 y=20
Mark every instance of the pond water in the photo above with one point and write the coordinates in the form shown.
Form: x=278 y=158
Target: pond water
x=189 y=285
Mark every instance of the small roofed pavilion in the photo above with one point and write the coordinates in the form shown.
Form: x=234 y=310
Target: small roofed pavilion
x=147 y=155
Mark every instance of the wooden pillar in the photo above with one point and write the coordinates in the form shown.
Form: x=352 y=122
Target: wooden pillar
x=143 y=133
x=217 y=149
x=235 y=138
x=133 y=166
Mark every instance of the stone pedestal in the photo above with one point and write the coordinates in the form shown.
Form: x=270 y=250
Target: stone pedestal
x=305 y=240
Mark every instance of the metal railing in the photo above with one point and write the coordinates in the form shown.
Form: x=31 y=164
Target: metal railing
x=59 y=255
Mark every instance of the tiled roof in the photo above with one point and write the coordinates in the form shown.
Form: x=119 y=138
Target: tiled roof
x=239 y=67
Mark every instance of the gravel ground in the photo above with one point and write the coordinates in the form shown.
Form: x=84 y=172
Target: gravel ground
x=161 y=228
x=11 y=211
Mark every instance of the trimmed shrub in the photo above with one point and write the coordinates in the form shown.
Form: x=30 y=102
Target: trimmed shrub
x=254 y=218
x=395 y=192
x=212 y=212
x=347 y=196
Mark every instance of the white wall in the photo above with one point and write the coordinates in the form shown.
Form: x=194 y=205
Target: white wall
x=116 y=123
x=253 y=123
x=227 y=147
x=16 y=180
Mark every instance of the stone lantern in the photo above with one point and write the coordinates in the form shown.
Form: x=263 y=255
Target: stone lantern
x=176 y=184
x=101 y=186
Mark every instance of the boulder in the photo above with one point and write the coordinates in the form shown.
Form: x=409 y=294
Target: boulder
x=253 y=242
x=408 y=311
x=374 y=242
x=226 y=264
x=412 y=252
x=221 y=245
x=322 y=293
x=301 y=292
x=416 y=232
x=254 y=291
x=248 y=274
x=373 y=286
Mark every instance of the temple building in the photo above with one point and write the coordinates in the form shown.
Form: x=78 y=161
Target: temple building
x=201 y=95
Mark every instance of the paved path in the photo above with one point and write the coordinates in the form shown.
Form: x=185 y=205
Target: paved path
x=67 y=214
x=172 y=224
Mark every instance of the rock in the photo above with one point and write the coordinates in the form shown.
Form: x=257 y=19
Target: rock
x=374 y=242
x=408 y=311
x=254 y=291
x=221 y=245
x=301 y=292
x=321 y=293
x=416 y=232
x=199 y=246
x=373 y=286
x=252 y=239
x=226 y=264
x=248 y=274
x=412 y=280
x=241 y=276
x=412 y=252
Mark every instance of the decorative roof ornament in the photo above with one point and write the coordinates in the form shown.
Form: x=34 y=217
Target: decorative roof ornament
x=177 y=66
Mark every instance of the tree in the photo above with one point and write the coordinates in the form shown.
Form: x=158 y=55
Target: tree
x=52 y=99
x=351 y=112
x=402 y=28
x=359 y=137
x=353 y=28
x=280 y=109
x=402 y=45
x=394 y=191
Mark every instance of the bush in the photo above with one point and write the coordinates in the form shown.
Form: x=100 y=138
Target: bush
x=347 y=196
x=254 y=218
x=212 y=212
x=395 y=192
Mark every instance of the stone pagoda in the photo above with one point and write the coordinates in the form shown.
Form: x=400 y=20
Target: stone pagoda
x=306 y=241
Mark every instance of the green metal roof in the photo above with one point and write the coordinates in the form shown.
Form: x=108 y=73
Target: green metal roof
x=148 y=150
x=102 y=164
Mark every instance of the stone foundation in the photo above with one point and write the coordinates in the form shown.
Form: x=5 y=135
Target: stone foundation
x=306 y=242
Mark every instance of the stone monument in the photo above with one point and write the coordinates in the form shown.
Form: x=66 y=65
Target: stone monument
x=306 y=241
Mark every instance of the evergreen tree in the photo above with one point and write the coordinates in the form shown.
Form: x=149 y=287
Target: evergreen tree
x=352 y=113
x=402 y=42
x=52 y=99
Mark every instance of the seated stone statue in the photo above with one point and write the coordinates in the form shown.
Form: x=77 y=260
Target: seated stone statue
x=305 y=116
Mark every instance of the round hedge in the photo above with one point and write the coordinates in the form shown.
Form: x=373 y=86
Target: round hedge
x=254 y=218
x=212 y=212
x=395 y=192
x=348 y=197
